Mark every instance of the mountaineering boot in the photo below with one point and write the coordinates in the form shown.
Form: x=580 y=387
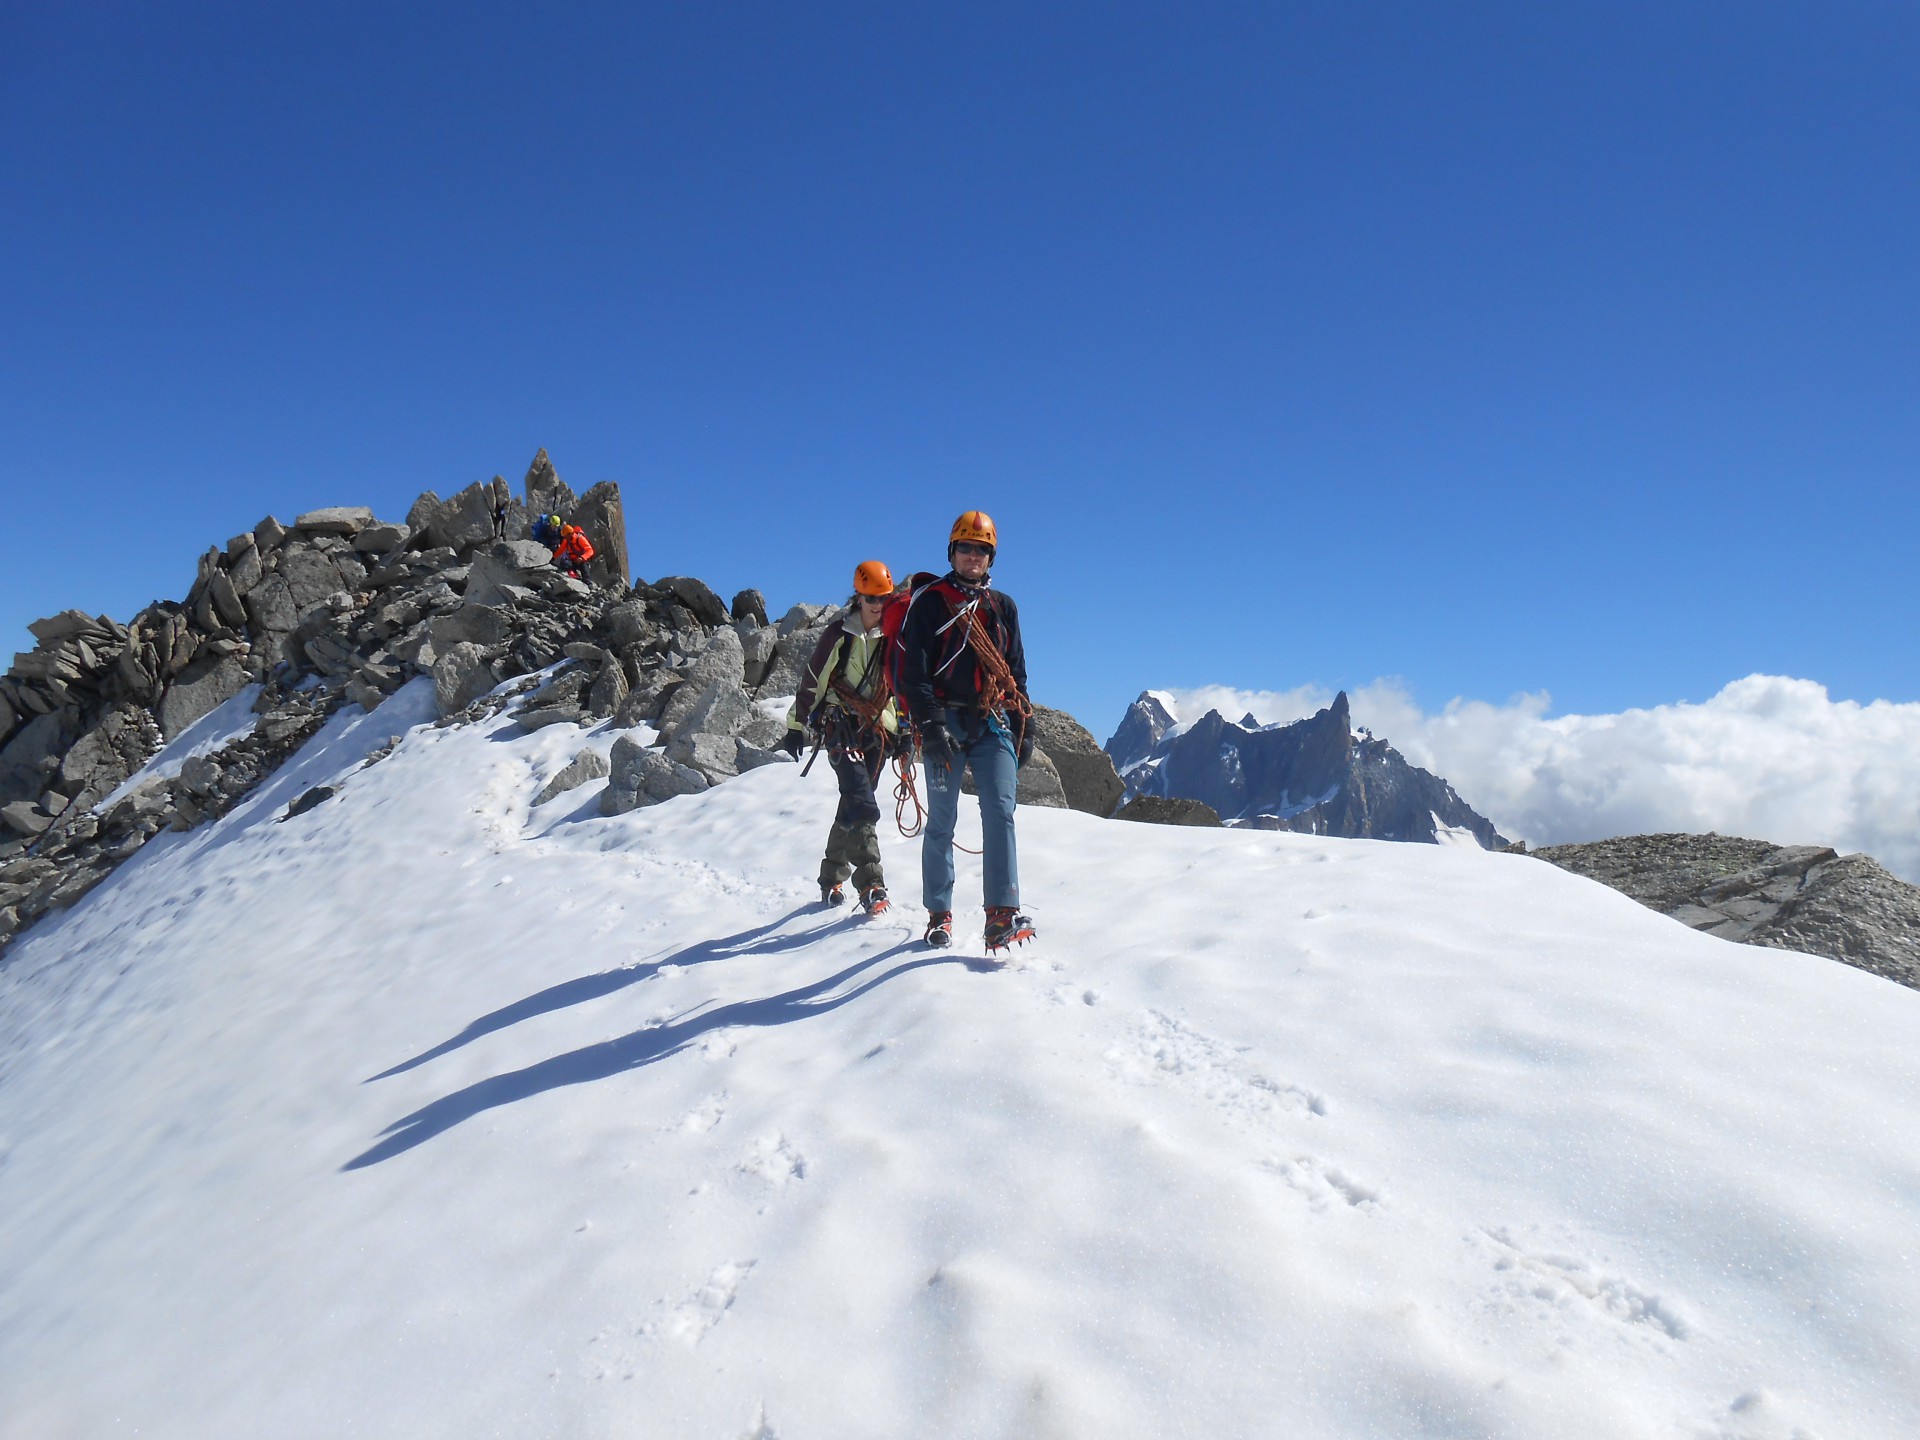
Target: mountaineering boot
x=874 y=901
x=1006 y=926
x=939 y=928
x=832 y=895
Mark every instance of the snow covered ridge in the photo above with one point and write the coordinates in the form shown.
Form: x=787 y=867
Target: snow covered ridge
x=1314 y=776
x=436 y=1111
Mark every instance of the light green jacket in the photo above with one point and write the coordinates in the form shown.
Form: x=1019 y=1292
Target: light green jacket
x=864 y=672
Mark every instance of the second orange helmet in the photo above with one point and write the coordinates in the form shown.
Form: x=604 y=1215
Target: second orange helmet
x=871 y=577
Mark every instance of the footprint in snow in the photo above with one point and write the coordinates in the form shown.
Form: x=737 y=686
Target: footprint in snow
x=1324 y=1185
x=774 y=1160
x=689 y=1320
x=704 y=1116
x=1558 y=1281
x=1162 y=1048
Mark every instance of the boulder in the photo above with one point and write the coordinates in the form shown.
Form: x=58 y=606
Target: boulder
x=714 y=756
x=587 y=765
x=721 y=709
x=204 y=684
x=23 y=817
x=420 y=516
x=245 y=570
x=464 y=520
x=757 y=643
x=199 y=775
x=270 y=607
x=789 y=662
x=225 y=600
x=762 y=730
x=748 y=756
x=461 y=676
x=63 y=626
x=722 y=663
x=310 y=800
x=647 y=699
x=1039 y=784
x=268 y=534
x=628 y=625
x=608 y=691
x=803 y=617
x=698 y=597
x=310 y=576
x=538 y=717
x=503 y=567
x=486 y=625
x=381 y=539
x=32 y=757
x=749 y=605
x=1087 y=777
x=1159 y=810
x=639 y=776
x=108 y=753
x=348 y=520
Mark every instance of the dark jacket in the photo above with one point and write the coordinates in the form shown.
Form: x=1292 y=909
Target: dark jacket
x=938 y=671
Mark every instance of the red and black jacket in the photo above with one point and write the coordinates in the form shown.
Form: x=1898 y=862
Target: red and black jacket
x=938 y=670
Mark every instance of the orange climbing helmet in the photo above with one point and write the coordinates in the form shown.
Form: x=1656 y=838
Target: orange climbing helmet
x=976 y=526
x=871 y=577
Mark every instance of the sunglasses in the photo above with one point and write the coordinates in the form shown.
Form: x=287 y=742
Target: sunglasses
x=967 y=547
x=873 y=599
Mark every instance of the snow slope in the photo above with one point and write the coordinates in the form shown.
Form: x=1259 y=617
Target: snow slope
x=421 y=1114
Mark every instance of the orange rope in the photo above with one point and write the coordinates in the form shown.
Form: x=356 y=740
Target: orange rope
x=1000 y=692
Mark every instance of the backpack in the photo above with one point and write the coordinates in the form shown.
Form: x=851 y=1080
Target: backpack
x=894 y=617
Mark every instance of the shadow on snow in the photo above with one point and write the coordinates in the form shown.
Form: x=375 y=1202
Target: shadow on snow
x=631 y=1051
x=591 y=987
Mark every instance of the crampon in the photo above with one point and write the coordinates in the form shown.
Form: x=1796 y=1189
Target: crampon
x=1007 y=926
x=939 y=929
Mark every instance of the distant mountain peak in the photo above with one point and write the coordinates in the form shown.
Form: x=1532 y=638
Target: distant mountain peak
x=1312 y=776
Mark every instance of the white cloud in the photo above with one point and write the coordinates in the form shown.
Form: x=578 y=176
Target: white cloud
x=1769 y=757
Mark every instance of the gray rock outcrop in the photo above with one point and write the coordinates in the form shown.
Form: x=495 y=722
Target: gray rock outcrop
x=1788 y=897
x=1159 y=810
x=337 y=608
x=1087 y=777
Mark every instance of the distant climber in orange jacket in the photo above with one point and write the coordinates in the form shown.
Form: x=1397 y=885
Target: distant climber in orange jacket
x=571 y=547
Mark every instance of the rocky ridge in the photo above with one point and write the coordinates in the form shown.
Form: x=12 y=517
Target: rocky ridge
x=1788 y=897
x=341 y=608
x=1314 y=776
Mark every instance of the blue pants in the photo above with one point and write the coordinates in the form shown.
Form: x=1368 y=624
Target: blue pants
x=996 y=774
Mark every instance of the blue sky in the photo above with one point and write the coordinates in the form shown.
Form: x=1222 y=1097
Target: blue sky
x=1496 y=348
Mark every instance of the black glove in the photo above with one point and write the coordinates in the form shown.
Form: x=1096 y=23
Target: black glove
x=793 y=742
x=935 y=746
x=1026 y=749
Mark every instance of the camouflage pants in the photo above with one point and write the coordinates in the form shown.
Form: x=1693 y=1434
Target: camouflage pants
x=853 y=850
x=853 y=846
